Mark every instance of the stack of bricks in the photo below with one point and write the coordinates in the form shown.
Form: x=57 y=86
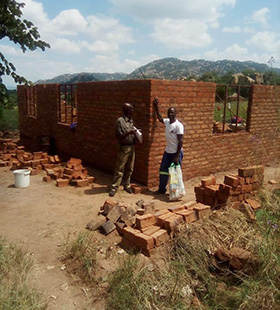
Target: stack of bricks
x=15 y=157
x=152 y=230
x=235 y=187
x=73 y=173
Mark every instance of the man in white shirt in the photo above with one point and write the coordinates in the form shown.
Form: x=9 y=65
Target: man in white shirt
x=174 y=131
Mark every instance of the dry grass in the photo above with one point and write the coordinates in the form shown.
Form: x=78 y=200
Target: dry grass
x=15 y=291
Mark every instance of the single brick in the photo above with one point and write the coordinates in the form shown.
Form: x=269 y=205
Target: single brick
x=211 y=190
x=144 y=241
x=80 y=183
x=96 y=223
x=231 y=180
x=202 y=210
x=210 y=201
x=160 y=237
x=250 y=171
x=199 y=190
x=108 y=227
x=208 y=181
x=222 y=198
x=145 y=220
x=62 y=182
x=114 y=214
x=149 y=207
x=189 y=205
x=171 y=223
x=189 y=216
x=108 y=205
x=161 y=212
x=199 y=198
x=129 y=233
x=176 y=208
x=150 y=230
x=163 y=217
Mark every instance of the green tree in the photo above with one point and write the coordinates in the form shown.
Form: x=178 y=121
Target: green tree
x=23 y=33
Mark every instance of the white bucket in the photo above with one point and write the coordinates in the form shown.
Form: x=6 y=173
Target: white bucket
x=22 y=178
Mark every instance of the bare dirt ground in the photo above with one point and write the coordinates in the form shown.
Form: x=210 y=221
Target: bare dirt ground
x=42 y=217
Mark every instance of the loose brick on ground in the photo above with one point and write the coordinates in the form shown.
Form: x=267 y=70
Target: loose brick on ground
x=144 y=241
x=231 y=180
x=160 y=237
x=202 y=210
x=150 y=230
x=208 y=181
x=62 y=182
x=171 y=223
x=163 y=217
x=189 y=216
x=146 y=220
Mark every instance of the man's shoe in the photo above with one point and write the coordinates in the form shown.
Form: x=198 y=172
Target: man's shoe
x=128 y=189
x=112 y=192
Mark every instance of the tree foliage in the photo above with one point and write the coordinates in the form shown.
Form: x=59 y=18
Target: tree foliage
x=20 y=31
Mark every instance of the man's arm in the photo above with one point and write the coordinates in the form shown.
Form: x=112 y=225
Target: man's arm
x=156 y=102
x=121 y=132
x=180 y=145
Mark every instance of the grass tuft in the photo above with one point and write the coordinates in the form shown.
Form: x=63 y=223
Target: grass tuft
x=15 y=291
x=80 y=255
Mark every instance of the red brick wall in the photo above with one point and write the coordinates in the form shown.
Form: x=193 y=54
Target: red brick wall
x=99 y=104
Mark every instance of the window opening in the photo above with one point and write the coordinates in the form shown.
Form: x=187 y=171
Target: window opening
x=31 y=101
x=232 y=106
x=68 y=104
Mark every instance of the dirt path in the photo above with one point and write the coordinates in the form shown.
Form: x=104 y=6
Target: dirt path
x=41 y=218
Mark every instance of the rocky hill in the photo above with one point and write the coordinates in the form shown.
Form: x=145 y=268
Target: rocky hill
x=166 y=68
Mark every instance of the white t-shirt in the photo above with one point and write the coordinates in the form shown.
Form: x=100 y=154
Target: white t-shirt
x=171 y=132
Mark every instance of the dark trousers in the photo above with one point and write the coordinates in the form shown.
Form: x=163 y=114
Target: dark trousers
x=167 y=160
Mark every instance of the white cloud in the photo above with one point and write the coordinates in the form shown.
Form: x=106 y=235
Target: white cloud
x=234 y=29
x=66 y=46
x=261 y=16
x=178 y=34
x=69 y=22
x=109 y=64
x=266 y=41
x=10 y=50
x=232 y=52
x=205 y=10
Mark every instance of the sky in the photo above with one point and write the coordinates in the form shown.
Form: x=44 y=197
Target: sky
x=122 y=35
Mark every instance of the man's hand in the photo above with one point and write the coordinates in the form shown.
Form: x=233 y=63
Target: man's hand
x=156 y=102
x=176 y=159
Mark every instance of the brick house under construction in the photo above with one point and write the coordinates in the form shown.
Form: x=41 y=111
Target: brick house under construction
x=79 y=121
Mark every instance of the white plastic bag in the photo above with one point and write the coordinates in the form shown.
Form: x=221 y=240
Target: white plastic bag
x=176 y=184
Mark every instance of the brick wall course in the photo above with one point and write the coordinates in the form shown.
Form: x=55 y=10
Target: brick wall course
x=99 y=104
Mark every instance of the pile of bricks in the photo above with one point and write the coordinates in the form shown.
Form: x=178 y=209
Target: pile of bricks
x=15 y=157
x=74 y=173
x=235 y=187
x=143 y=229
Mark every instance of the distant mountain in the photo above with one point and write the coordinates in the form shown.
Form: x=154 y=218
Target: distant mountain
x=83 y=77
x=166 y=68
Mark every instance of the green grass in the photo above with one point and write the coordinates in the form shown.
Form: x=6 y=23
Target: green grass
x=80 y=256
x=9 y=120
x=15 y=291
x=219 y=111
